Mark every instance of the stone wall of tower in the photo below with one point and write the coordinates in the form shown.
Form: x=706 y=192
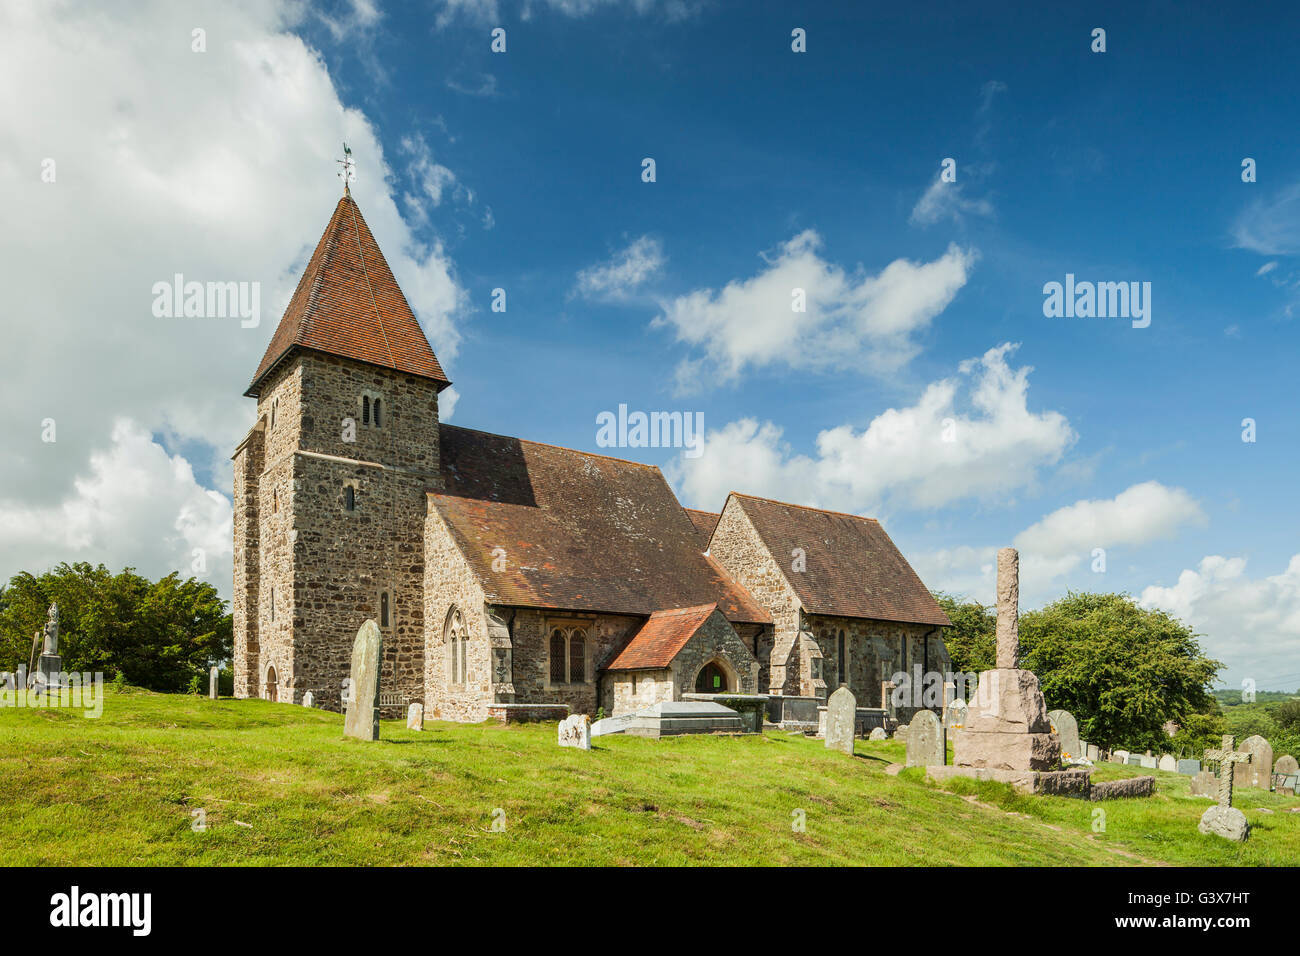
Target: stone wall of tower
x=450 y=584
x=738 y=548
x=343 y=561
x=280 y=407
x=249 y=461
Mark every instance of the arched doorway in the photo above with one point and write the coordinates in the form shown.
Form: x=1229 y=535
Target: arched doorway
x=272 y=684
x=712 y=679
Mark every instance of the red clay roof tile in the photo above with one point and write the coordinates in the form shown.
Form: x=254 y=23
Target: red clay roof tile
x=853 y=568
x=660 y=639
x=348 y=303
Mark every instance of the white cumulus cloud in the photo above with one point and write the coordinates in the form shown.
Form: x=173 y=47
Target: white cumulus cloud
x=808 y=313
x=972 y=436
x=624 y=272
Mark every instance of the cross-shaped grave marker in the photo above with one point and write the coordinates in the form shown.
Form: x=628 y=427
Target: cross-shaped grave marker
x=1228 y=758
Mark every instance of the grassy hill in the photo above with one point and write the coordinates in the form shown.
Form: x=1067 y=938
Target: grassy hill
x=280 y=785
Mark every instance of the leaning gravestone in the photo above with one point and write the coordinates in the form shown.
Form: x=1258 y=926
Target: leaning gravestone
x=575 y=731
x=926 y=744
x=415 y=717
x=362 y=719
x=841 y=713
x=214 y=676
x=1067 y=728
x=1259 y=772
x=1189 y=767
x=309 y=699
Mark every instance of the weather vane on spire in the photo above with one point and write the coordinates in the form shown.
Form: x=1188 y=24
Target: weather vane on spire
x=347 y=173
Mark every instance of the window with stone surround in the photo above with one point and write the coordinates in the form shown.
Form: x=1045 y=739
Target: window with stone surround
x=372 y=409
x=385 y=609
x=456 y=637
x=842 y=659
x=349 y=498
x=567 y=661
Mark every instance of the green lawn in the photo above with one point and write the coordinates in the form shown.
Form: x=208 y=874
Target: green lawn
x=280 y=785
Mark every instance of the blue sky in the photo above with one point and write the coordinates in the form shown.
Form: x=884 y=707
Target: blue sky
x=522 y=171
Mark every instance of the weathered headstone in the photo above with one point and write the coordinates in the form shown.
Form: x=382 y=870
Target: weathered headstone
x=1259 y=772
x=1119 y=756
x=1189 y=767
x=955 y=714
x=1287 y=774
x=1091 y=752
x=1067 y=728
x=1223 y=819
x=926 y=743
x=362 y=720
x=309 y=699
x=214 y=679
x=575 y=731
x=900 y=732
x=415 y=717
x=1134 y=760
x=1204 y=784
x=1148 y=761
x=878 y=733
x=1168 y=763
x=841 y=714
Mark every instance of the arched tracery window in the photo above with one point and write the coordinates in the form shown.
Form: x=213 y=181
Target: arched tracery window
x=567 y=653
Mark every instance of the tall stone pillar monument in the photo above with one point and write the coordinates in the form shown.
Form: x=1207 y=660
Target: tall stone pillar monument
x=1007 y=726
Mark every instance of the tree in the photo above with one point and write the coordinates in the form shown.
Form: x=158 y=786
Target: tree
x=971 y=641
x=1288 y=715
x=157 y=634
x=1122 y=670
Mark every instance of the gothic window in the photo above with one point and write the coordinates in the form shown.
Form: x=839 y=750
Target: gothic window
x=349 y=498
x=577 y=657
x=842 y=660
x=457 y=639
x=365 y=409
x=557 y=656
x=568 y=654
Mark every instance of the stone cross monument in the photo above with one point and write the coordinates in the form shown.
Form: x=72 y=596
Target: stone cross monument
x=1008 y=633
x=1224 y=819
x=1006 y=727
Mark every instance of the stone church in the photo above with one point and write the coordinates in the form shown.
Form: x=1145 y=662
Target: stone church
x=509 y=577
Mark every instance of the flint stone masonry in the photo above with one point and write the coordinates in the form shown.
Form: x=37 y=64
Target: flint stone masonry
x=527 y=713
x=841 y=717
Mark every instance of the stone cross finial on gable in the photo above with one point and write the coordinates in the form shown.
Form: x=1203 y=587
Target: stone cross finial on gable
x=1008 y=609
x=1227 y=758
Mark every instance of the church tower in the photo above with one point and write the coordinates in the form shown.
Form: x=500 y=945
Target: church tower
x=330 y=484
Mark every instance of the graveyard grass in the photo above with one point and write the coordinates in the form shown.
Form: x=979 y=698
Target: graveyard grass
x=281 y=786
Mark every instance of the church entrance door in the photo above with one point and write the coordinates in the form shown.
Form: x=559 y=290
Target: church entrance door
x=712 y=680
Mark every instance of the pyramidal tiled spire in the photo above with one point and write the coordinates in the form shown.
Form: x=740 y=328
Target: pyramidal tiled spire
x=348 y=303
